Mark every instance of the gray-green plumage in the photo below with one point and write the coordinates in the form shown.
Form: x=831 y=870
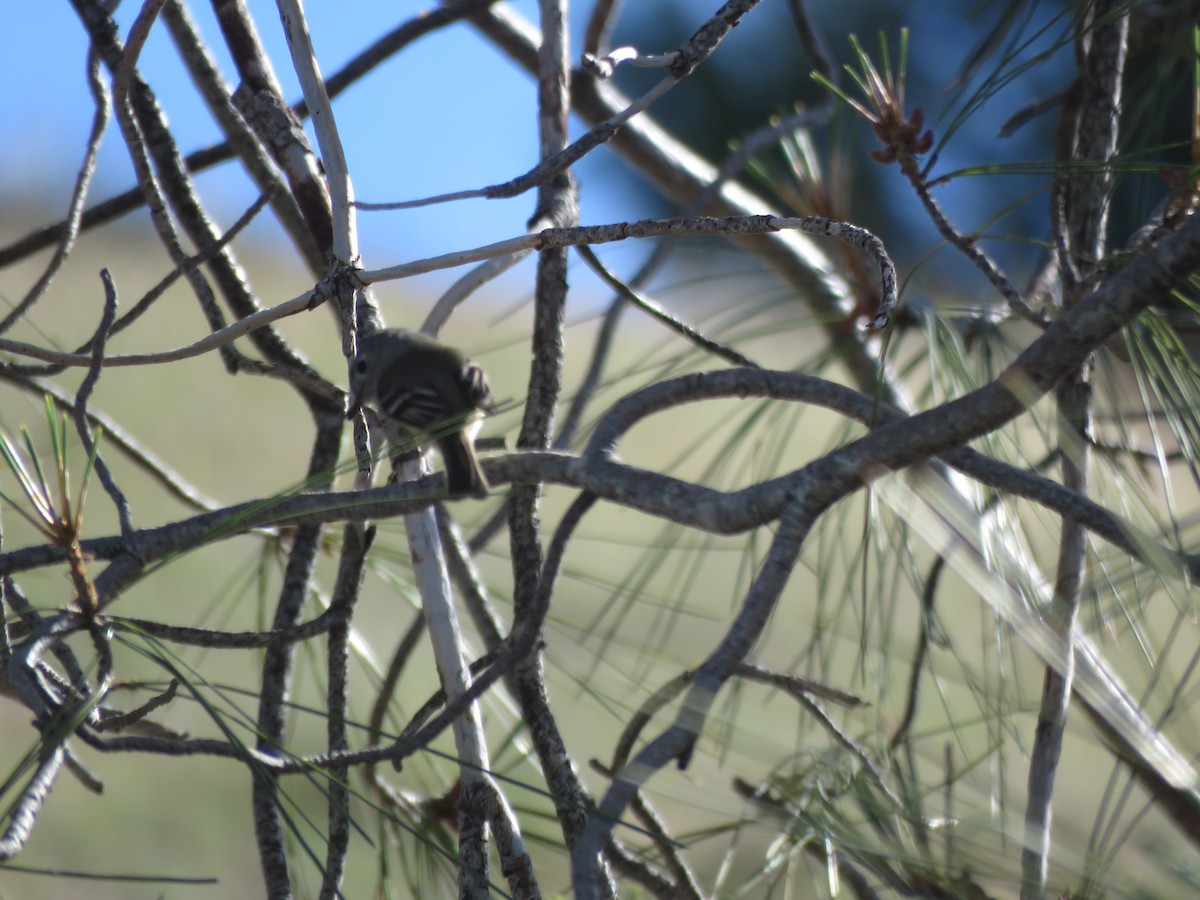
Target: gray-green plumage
x=428 y=388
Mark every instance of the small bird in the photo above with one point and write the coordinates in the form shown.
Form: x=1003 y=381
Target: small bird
x=430 y=389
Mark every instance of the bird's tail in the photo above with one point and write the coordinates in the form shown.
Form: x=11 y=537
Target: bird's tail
x=463 y=474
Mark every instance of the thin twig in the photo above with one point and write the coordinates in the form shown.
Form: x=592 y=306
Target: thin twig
x=81 y=398
x=242 y=141
x=928 y=595
x=677 y=742
x=83 y=180
x=695 y=505
x=25 y=811
x=680 y=61
x=116 y=436
x=542 y=240
x=197 y=161
x=1101 y=43
x=120 y=721
x=347 y=587
x=685 y=880
x=656 y=311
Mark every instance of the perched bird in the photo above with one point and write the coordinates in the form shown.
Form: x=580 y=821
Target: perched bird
x=430 y=389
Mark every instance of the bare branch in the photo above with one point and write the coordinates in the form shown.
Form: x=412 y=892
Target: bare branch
x=680 y=61
x=85 y=391
x=83 y=181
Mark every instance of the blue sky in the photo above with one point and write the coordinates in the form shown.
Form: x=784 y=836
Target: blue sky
x=450 y=113
x=447 y=113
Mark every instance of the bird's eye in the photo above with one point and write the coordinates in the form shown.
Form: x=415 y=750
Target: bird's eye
x=360 y=366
